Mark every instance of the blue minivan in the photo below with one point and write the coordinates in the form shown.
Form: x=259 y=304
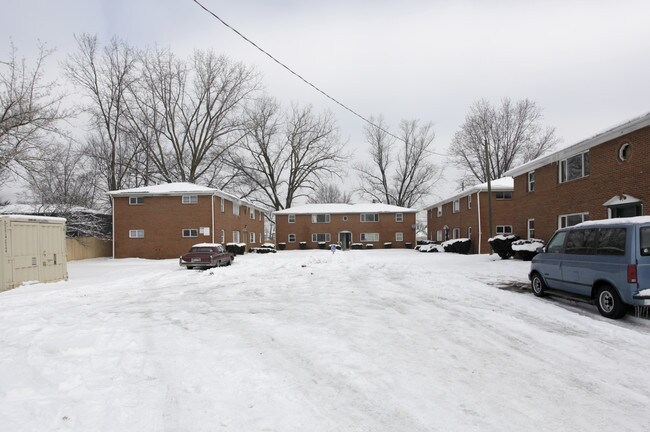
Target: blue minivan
x=606 y=261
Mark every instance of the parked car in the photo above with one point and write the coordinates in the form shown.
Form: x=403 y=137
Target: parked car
x=204 y=255
x=605 y=261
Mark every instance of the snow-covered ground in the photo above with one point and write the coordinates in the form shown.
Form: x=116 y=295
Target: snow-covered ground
x=385 y=340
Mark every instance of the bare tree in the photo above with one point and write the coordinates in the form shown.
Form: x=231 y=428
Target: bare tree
x=189 y=114
x=105 y=75
x=30 y=110
x=400 y=172
x=329 y=193
x=284 y=156
x=512 y=133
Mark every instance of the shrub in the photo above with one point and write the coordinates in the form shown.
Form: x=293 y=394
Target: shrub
x=356 y=246
x=282 y=246
x=321 y=245
x=408 y=245
x=526 y=249
x=303 y=245
x=369 y=246
x=388 y=245
x=236 y=248
x=502 y=245
x=460 y=246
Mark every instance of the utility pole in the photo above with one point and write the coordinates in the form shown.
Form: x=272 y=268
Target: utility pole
x=489 y=187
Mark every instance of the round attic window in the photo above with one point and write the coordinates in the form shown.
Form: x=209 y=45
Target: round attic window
x=624 y=152
x=345 y=218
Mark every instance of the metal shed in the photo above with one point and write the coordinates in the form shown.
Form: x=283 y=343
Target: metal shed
x=32 y=248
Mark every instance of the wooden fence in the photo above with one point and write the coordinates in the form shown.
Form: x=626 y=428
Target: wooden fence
x=80 y=248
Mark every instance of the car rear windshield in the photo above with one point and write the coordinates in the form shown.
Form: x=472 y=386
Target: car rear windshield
x=645 y=241
x=201 y=249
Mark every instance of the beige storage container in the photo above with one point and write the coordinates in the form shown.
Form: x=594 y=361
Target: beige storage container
x=33 y=249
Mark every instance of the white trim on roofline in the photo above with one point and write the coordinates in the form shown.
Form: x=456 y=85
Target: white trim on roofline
x=584 y=145
x=335 y=208
x=504 y=184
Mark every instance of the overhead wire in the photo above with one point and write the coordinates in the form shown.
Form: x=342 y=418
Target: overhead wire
x=300 y=76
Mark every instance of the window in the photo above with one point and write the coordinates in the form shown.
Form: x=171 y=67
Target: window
x=506 y=195
x=223 y=236
x=320 y=218
x=531 y=228
x=399 y=236
x=190 y=232
x=645 y=241
x=469 y=232
x=580 y=242
x=556 y=245
x=189 y=199
x=260 y=213
x=223 y=205
x=439 y=211
x=235 y=208
x=504 y=229
x=531 y=181
x=624 y=152
x=456 y=206
x=399 y=217
x=252 y=237
x=572 y=219
x=369 y=217
x=611 y=241
x=439 y=235
x=291 y=218
x=235 y=236
x=136 y=200
x=320 y=237
x=252 y=213
x=455 y=233
x=291 y=238
x=469 y=202
x=574 y=167
x=345 y=218
x=136 y=233
x=369 y=237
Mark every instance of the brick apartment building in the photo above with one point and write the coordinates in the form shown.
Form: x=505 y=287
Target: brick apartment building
x=602 y=177
x=465 y=215
x=371 y=225
x=164 y=221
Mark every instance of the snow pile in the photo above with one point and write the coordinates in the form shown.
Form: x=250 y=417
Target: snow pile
x=527 y=245
x=501 y=237
x=431 y=247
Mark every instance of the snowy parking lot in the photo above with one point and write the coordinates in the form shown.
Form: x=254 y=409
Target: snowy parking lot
x=385 y=340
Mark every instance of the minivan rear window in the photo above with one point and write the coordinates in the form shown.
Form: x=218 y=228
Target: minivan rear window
x=611 y=241
x=645 y=241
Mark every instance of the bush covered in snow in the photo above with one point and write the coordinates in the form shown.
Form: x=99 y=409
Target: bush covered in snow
x=282 y=246
x=408 y=245
x=502 y=245
x=303 y=245
x=388 y=245
x=356 y=246
x=321 y=245
x=336 y=245
x=369 y=246
x=460 y=245
x=430 y=247
x=526 y=249
x=265 y=248
x=236 y=248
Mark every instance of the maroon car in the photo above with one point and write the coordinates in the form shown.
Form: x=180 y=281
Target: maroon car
x=204 y=255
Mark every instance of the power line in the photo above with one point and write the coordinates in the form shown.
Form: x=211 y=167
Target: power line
x=300 y=76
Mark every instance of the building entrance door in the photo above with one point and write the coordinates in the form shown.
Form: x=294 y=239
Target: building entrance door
x=345 y=238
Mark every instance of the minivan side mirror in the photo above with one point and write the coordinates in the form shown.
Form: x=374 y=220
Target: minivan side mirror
x=541 y=249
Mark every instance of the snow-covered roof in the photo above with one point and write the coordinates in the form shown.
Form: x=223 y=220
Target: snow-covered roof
x=22 y=217
x=499 y=185
x=615 y=221
x=584 y=145
x=345 y=208
x=181 y=188
x=46 y=208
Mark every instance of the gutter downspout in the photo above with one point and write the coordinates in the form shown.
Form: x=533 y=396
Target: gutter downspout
x=478 y=210
x=113 y=227
x=212 y=210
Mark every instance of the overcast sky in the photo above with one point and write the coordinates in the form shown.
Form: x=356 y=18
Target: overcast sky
x=586 y=63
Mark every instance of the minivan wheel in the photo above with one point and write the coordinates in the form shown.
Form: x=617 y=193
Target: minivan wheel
x=609 y=303
x=538 y=285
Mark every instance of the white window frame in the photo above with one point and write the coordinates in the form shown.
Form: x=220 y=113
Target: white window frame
x=291 y=238
x=469 y=202
x=399 y=217
x=455 y=233
x=252 y=213
x=531 y=181
x=326 y=216
x=563 y=174
x=369 y=217
x=562 y=220
x=327 y=237
x=399 y=236
x=369 y=237
x=136 y=233
x=530 y=231
x=189 y=232
x=223 y=236
x=252 y=237
x=223 y=205
x=235 y=237
x=136 y=200
x=439 y=211
x=189 y=199
x=291 y=218
x=235 y=210
x=439 y=235
x=469 y=232
x=455 y=206
x=503 y=229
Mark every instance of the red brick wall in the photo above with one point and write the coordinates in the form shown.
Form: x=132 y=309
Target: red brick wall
x=609 y=176
x=164 y=217
x=502 y=214
x=303 y=228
